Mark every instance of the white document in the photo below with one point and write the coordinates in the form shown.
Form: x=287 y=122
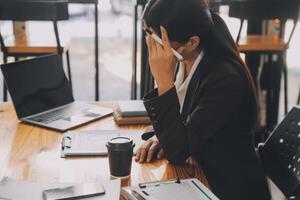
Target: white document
x=22 y=190
x=93 y=142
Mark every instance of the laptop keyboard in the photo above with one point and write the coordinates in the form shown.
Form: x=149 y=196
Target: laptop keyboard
x=63 y=113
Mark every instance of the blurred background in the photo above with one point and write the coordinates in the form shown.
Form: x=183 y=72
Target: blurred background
x=116 y=29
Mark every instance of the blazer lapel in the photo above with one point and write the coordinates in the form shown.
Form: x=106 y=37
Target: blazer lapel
x=203 y=69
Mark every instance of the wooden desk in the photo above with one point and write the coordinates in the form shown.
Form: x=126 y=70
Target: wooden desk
x=262 y=43
x=33 y=154
x=27 y=44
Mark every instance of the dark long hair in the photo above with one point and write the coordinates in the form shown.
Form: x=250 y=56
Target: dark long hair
x=186 y=18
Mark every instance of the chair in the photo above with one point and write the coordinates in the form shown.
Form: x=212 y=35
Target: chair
x=26 y=46
x=280 y=155
x=268 y=45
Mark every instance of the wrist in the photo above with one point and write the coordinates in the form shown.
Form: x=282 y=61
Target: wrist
x=163 y=88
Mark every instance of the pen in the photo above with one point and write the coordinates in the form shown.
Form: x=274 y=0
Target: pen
x=145 y=193
x=159 y=41
x=159 y=183
x=137 y=195
x=175 y=53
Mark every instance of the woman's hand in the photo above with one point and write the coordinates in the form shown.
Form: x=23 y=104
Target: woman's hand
x=147 y=151
x=162 y=62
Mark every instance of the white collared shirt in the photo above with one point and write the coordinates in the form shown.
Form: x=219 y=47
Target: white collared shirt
x=181 y=85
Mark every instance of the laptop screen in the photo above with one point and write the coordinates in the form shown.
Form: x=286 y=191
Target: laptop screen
x=37 y=85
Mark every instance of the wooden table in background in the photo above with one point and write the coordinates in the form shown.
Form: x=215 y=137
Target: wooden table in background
x=33 y=154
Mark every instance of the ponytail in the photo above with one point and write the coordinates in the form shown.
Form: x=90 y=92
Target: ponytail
x=222 y=42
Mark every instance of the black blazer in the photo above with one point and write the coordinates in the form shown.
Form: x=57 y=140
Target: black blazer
x=214 y=128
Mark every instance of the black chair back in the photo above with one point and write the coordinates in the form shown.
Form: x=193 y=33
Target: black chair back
x=31 y=10
x=264 y=9
x=280 y=155
x=34 y=10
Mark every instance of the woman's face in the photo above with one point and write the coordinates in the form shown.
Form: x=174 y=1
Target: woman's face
x=185 y=49
x=175 y=45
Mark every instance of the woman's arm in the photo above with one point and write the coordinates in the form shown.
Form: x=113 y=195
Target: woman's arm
x=220 y=99
x=223 y=96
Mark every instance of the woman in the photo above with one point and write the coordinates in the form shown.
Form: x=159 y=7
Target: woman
x=210 y=111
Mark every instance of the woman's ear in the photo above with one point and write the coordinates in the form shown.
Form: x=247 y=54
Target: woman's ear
x=192 y=44
x=189 y=47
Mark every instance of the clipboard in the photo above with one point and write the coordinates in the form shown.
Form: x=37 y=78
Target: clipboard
x=93 y=142
x=190 y=189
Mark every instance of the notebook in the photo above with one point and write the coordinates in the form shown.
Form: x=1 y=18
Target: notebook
x=93 y=142
x=190 y=189
x=132 y=109
x=131 y=120
x=131 y=113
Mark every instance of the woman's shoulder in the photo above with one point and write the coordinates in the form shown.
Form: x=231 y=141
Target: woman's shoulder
x=228 y=70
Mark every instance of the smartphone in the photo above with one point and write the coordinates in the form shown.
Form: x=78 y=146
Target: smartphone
x=159 y=41
x=74 y=192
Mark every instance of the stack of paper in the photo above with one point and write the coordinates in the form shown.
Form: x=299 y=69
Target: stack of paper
x=131 y=112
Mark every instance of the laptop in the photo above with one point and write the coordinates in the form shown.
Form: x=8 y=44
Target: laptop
x=42 y=95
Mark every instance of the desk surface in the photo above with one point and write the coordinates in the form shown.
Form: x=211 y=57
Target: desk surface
x=33 y=154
